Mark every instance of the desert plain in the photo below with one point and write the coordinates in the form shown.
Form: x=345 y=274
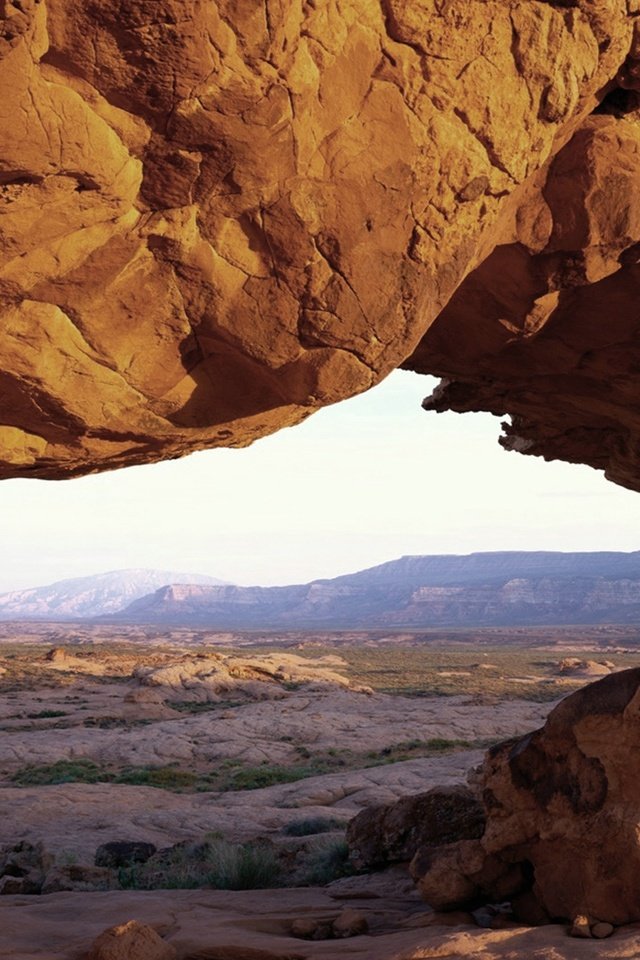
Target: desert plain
x=235 y=762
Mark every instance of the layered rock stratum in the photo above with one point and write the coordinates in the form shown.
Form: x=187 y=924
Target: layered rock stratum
x=503 y=587
x=218 y=217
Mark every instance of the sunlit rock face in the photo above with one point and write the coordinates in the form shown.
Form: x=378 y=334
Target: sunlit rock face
x=220 y=216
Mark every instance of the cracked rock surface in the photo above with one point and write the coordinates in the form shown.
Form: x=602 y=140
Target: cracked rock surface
x=216 y=217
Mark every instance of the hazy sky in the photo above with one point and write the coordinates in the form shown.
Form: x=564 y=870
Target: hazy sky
x=357 y=484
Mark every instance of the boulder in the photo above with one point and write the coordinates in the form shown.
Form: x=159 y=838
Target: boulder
x=123 y=853
x=130 y=941
x=581 y=928
x=563 y=817
x=57 y=655
x=394 y=832
x=20 y=885
x=462 y=874
x=22 y=867
x=350 y=923
x=77 y=876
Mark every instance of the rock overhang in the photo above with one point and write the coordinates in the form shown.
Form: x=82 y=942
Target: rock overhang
x=217 y=218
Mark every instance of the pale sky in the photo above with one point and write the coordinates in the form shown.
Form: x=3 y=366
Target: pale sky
x=365 y=481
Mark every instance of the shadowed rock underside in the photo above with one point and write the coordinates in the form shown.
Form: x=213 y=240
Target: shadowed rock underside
x=218 y=217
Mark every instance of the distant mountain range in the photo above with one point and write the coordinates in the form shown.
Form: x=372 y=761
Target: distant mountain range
x=86 y=597
x=480 y=589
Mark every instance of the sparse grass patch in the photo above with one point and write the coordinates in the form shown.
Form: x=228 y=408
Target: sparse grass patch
x=215 y=863
x=62 y=771
x=166 y=778
x=266 y=775
x=230 y=774
x=82 y=770
x=328 y=861
x=46 y=714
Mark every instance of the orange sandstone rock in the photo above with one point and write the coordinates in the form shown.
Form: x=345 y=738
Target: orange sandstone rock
x=217 y=217
x=545 y=329
x=131 y=941
x=561 y=803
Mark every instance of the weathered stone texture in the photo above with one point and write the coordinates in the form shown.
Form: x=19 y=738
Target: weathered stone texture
x=216 y=217
x=545 y=329
x=563 y=816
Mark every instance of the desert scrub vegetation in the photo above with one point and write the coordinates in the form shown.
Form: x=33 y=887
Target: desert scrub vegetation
x=166 y=778
x=62 y=771
x=46 y=714
x=82 y=770
x=203 y=706
x=245 y=777
x=458 y=665
x=312 y=825
x=216 y=863
x=234 y=775
x=327 y=860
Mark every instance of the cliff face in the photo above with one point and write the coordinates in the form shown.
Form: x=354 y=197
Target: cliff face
x=218 y=217
x=417 y=592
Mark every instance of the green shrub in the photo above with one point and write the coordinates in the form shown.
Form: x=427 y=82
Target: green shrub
x=328 y=861
x=265 y=775
x=86 y=771
x=46 y=714
x=215 y=863
x=62 y=771
x=439 y=744
x=246 y=866
x=167 y=778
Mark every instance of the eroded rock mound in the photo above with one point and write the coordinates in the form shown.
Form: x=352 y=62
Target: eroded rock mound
x=266 y=677
x=217 y=217
x=563 y=816
x=574 y=667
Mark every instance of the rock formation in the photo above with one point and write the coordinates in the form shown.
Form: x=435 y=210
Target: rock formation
x=218 y=217
x=128 y=940
x=545 y=328
x=393 y=833
x=562 y=808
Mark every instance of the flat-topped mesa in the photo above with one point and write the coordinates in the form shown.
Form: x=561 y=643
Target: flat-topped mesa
x=218 y=217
